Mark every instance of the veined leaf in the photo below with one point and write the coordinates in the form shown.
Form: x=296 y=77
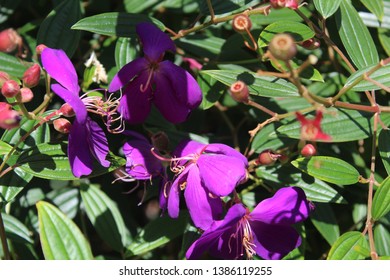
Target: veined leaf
x=225 y=6
x=13 y=66
x=4 y=148
x=125 y=51
x=324 y=219
x=15 y=230
x=384 y=38
x=382 y=240
x=349 y=247
x=375 y=6
x=326 y=7
x=381 y=76
x=381 y=201
x=212 y=90
x=384 y=148
x=132 y=6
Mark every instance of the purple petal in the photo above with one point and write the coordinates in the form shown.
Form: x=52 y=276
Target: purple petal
x=188 y=147
x=155 y=42
x=127 y=73
x=80 y=158
x=58 y=66
x=220 y=173
x=202 y=208
x=98 y=142
x=288 y=206
x=174 y=194
x=73 y=100
x=273 y=242
x=186 y=89
x=225 y=150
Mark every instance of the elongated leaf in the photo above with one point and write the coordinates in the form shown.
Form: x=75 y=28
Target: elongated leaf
x=15 y=230
x=66 y=199
x=157 y=233
x=49 y=161
x=324 y=219
x=381 y=75
x=55 y=30
x=375 y=6
x=315 y=190
x=347 y=247
x=299 y=31
x=276 y=15
x=132 y=6
x=384 y=148
x=326 y=7
x=125 y=51
x=104 y=216
x=384 y=38
x=355 y=36
x=202 y=45
x=60 y=237
x=381 y=201
x=225 y=6
x=13 y=66
x=328 y=169
x=382 y=240
x=114 y=24
x=258 y=85
x=264 y=141
x=4 y=148
x=212 y=90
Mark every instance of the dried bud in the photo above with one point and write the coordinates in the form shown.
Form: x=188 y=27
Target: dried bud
x=308 y=150
x=241 y=23
x=67 y=110
x=39 y=49
x=277 y=4
x=239 y=92
x=62 y=125
x=32 y=76
x=26 y=94
x=8 y=117
x=160 y=141
x=267 y=157
x=3 y=77
x=9 y=40
x=282 y=46
x=10 y=88
x=311 y=44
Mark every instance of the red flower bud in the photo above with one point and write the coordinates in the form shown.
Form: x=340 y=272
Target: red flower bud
x=9 y=40
x=282 y=46
x=10 y=88
x=31 y=76
x=267 y=157
x=311 y=44
x=62 y=125
x=39 y=49
x=160 y=141
x=239 y=92
x=241 y=23
x=3 y=77
x=27 y=95
x=66 y=110
x=308 y=150
x=8 y=117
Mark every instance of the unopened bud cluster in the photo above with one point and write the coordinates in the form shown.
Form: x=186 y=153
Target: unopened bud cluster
x=8 y=118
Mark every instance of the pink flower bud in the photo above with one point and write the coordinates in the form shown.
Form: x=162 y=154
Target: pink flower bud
x=39 y=49
x=239 y=92
x=292 y=4
x=277 y=4
x=9 y=40
x=267 y=157
x=311 y=44
x=66 y=110
x=160 y=141
x=308 y=150
x=62 y=125
x=241 y=23
x=27 y=95
x=8 y=118
x=3 y=77
x=32 y=76
x=282 y=46
x=10 y=88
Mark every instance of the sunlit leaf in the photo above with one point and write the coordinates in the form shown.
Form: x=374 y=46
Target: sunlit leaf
x=384 y=148
x=326 y=7
x=347 y=247
x=324 y=219
x=381 y=201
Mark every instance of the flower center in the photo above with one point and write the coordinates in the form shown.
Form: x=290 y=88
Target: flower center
x=309 y=132
x=153 y=66
x=244 y=238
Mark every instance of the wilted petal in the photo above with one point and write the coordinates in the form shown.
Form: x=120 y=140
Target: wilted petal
x=203 y=209
x=220 y=173
x=127 y=73
x=155 y=42
x=288 y=206
x=58 y=66
x=273 y=242
x=186 y=89
x=225 y=150
x=80 y=158
x=98 y=142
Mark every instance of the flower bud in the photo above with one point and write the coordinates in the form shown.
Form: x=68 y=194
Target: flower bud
x=282 y=46
x=66 y=110
x=10 y=88
x=62 y=125
x=32 y=76
x=241 y=23
x=9 y=40
x=8 y=118
x=239 y=92
x=267 y=157
x=3 y=77
x=311 y=44
x=160 y=141
x=39 y=49
x=292 y=4
x=277 y=4
x=308 y=150
x=26 y=94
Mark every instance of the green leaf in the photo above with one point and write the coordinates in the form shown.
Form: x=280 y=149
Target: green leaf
x=347 y=247
x=125 y=51
x=60 y=237
x=381 y=201
x=264 y=141
x=328 y=169
x=15 y=230
x=324 y=219
x=114 y=24
x=212 y=90
x=55 y=30
x=13 y=66
x=299 y=31
x=382 y=240
x=157 y=233
x=104 y=216
x=225 y=6
x=375 y=6
x=7 y=8
x=202 y=45
x=381 y=76
x=355 y=36
x=384 y=38
x=49 y=161
x=276 y=15
x=4 y=148
x=66 y=199
x=132 y=6
x=384 y=148
x=258 y=85
x=326 y=7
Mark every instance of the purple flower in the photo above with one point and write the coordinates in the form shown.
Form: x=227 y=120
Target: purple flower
x=150 y=79
x=266 y=231
x=205 y=173
x=86 y=139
